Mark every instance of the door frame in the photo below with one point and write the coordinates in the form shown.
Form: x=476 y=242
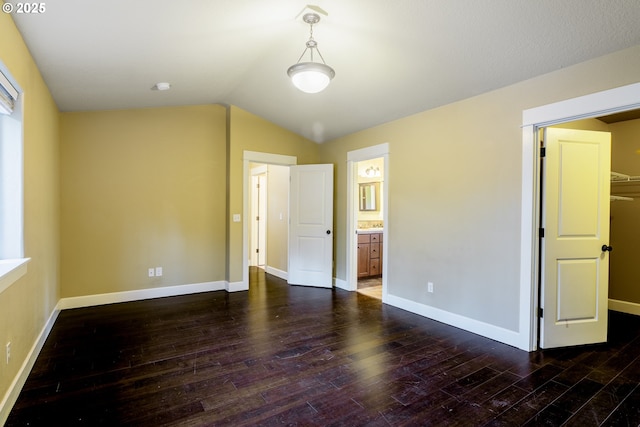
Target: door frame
x=616 y=100
x=247 y=158
x=353 y=157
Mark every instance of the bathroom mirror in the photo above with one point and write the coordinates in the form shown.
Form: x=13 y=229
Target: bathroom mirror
x=369 y=194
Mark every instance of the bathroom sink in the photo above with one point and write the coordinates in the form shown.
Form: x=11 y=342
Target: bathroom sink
x=369 y=230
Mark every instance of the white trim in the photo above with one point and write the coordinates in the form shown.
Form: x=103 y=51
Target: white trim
x=624 y=306
x=528 y=238
x=236 y=286
x=493 y=332
x=11 y=396
x=351 y=279
x=597 y=104
x=269 y=158
x=259 y=170
x=140 y=294
x=277 y=272
x=7 y=85
x=11 y=270
x=255 y=157
x=367 y=153
x=342 y=284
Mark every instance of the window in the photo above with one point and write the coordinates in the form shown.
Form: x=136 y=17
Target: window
x=12 y=262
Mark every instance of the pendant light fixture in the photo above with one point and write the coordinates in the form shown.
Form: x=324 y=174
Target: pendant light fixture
x=311 y=77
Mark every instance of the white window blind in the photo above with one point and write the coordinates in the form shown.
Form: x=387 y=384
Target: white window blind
x=8 y=95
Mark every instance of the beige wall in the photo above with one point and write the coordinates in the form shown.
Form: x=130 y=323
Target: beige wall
x=29 y=302
x=278 y=217
x=142 y=188
x=625 y=216
x=455 y=191
x=248 y=132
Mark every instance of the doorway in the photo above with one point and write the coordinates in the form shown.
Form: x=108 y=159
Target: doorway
x=619 y=266
x=275 y=211
x=367 y=220
x=300 y=263
x=370 y=226
x=258 y=216
x=599 y=104
x=269 y=218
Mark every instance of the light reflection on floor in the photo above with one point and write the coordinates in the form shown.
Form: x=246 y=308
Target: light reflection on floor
x=371 y=286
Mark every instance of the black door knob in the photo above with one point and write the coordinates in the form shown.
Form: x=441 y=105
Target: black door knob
x=328 y=231
x=606 y=248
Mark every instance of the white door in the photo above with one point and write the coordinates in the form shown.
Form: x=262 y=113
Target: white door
x=575 y=218
x=311 y=226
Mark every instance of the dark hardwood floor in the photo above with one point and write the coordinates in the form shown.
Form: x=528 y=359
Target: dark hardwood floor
x=280 y=355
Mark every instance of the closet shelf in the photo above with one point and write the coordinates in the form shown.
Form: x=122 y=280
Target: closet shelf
x=617 y=177
x=621 y=177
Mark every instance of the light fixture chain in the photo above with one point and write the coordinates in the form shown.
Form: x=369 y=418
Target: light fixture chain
x=318 y=49
x=303 y=52
x=312 y=40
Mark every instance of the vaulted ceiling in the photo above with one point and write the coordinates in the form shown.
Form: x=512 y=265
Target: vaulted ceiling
x=392 y=58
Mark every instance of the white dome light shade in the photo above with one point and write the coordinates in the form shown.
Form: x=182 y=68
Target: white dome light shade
x=311 y=77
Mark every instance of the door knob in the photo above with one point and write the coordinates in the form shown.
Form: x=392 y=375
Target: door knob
x=328 y=231
x=606 y=248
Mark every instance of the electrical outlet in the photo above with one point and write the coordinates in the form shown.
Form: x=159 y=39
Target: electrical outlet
x=158 y=271
x=152 y=272
x=8 y=352
x=430 y=287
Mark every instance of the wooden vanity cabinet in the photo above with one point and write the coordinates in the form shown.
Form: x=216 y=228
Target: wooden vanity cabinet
x=369 y=255
x=364 y=244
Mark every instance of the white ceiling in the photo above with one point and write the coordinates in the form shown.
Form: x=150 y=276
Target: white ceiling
x=392 y=58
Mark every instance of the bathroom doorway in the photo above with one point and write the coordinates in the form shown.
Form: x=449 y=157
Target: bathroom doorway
x=370 y=226
x=367 y=231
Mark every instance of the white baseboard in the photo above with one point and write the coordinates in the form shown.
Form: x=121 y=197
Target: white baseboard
x=235 y=286
x=624 y=307
x=342 y=284
x=493 y=332
x=126 y=296
x=277 y=272
x=11 y=396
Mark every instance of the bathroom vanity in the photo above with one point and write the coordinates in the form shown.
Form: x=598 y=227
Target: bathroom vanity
x=369 y=253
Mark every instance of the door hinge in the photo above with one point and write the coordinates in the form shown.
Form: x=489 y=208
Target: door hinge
x=257 y=218
x=541 y=232
x=257 y=251
x=543 y=151
x=540 y=312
